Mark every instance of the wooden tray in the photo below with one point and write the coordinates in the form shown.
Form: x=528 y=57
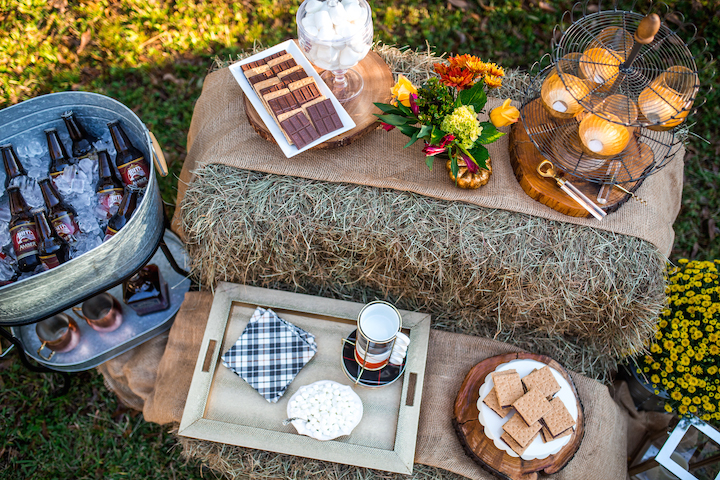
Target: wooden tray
x=482 y=450
x=378 y=82
x=222 y=407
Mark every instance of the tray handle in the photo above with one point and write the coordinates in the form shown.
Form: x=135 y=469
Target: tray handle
x=209 y=355
x=412 y=387
x=158 y=156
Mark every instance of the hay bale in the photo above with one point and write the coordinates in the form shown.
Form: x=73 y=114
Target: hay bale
x=585 y=297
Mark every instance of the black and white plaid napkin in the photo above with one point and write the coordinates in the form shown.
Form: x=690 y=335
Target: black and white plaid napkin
x=269 y=353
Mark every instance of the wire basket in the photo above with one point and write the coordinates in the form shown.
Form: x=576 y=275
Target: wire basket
x=609 y=107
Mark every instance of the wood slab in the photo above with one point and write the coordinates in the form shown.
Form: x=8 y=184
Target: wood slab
x=525 y=157
x=378 y=82
x=482 y=450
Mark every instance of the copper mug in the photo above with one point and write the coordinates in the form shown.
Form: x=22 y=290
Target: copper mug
x=58 y=333
x=102 y=312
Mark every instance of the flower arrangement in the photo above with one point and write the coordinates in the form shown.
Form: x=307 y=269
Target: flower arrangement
x=444 y=112
x=683 y=361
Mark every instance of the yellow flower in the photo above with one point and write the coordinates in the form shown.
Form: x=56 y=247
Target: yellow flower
x=493 y=81
x=402 y=90
x=682 y=409
x=668 y=408
x=676 y=395
x=504 y=115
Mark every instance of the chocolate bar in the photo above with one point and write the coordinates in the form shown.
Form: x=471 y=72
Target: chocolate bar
x=293 y=77
x=300 y=130
x=283 y=103
x=324 y=117
x=262 y=61
x=280 y=67
x=305 y=90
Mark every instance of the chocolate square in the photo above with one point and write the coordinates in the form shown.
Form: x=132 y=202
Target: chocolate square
x=300 y=130
x=306 y=93
x=271 y=88
x=282 y=104
x=276 y=55
x=260 y=77
x=294 y=77
x=324 y=117
x=254 y=64
x=287 y=64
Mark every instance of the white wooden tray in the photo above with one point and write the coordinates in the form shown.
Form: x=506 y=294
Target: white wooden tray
x=222 y=407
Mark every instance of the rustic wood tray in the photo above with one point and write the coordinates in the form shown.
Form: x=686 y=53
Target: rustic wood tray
x=482 y=450
x=222 y=407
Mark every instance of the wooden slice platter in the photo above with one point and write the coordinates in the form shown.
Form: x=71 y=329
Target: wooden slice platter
x=482 y=450
x=378 y=81
x=525 y=157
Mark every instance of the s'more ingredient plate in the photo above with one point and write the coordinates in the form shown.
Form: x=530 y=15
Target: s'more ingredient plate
x=519 y=414
x=296 y=106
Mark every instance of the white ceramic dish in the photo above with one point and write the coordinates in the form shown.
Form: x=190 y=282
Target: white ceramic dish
x=272 y=126
x=493 y=423
x=325 y=410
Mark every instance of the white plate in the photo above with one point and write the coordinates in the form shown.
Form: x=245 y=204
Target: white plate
x=354 y=412
x=267 y=118
x=493 y=423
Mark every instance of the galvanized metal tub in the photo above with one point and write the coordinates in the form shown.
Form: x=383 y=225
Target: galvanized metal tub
x=107 y=265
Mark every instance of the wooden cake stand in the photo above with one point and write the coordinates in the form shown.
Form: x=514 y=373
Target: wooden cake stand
x=482 y=450
x=525 y=157
x=378 y=82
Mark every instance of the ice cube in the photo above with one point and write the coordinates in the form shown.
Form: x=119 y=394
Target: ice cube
x=4 y=209
x=85 y=243
x=31 y=192
x=37 y=172
x=35 y=148
x=4 y=234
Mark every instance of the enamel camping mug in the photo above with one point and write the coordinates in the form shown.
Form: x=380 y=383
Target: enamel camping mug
x=102 y=312
x=379 y=339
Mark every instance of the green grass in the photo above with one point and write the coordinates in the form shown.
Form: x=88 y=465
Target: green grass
x=152 y=56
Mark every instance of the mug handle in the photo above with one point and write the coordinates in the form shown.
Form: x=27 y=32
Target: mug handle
x=78 y=312
x=52 y=352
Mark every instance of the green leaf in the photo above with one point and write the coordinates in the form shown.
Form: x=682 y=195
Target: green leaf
x=425 y=132
x=436 y=136
x=480 y=154
x=413 y=139
x=489 y=133
x=387 y=108
x=429 y=161
x=405 y=110
x=408 y=130
x=396 y=120
x=454 y=168
x=474 y=96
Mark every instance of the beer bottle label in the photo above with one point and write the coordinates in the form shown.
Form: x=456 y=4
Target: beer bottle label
x=109 y=200
x=135 y=172
x=66 y=227
x=24 y=240
x=109 y=233
x=49 y=261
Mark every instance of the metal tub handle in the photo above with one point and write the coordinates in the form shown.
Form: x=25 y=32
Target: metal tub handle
x=158 y=156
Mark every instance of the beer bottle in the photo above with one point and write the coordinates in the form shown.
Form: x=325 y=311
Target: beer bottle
x=131 y=163
x=52 y=250
x=13 y=167
x=146 y=291
x=59 y=159
x=23 y=232
x=125 y=211
x=81 y=143
x=61 y=215
x=109 y=187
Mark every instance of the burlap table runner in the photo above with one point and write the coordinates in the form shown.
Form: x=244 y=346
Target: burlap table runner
x=162 y=380
x=220 y=133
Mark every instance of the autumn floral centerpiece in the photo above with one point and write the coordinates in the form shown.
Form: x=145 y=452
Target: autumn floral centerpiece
x=443 y=112
x=683 y=361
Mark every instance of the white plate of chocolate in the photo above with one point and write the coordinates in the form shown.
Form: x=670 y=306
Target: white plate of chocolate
x=296 y=106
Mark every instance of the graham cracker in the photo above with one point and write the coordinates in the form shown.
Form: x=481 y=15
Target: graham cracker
x=492 y=402
x=558 y=418
x=301 y=83
x=275 y=94
x=266 y=83
x=287 y=72
x=548 y=437
x=278 y=60
x=304 y=106
x=532 y=406
x=521 y=431
x=542 y=379
x=255 y=71
x=516 y=447
x=508 y=387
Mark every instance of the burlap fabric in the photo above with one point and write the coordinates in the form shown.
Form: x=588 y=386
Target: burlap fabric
x=220 y=133
x=602 y=454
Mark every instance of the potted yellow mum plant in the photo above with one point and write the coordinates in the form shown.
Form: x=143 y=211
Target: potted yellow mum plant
x=683 y=361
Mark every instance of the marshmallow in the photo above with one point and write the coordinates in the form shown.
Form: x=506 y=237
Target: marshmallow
x=313 y=6
x=337 y=14
x=349 y=57
x=322 y=20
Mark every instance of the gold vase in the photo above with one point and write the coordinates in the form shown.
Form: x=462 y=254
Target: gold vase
x=467 y=179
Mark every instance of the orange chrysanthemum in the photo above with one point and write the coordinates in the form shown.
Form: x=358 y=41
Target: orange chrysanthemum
x=460 y=78
x=493 y=81
x=495 y=70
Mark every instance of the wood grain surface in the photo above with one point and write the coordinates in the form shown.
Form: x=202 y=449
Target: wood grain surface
x=525 y=157
x=482 y=450
x=378 y=81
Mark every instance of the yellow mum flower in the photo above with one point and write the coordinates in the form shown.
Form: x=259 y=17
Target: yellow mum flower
x=682 y=409
x=686 y=401
x=493 y=81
